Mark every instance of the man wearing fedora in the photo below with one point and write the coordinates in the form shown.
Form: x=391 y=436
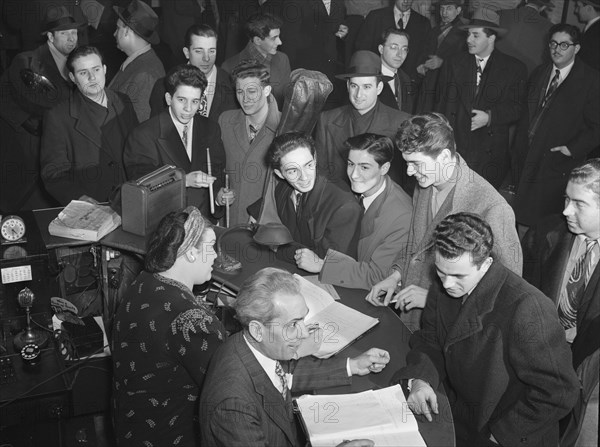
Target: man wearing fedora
x=365 y=113
x=35 y=82
x=526 y=32
x=588 y=12
x=136 y=32
x=482 y=93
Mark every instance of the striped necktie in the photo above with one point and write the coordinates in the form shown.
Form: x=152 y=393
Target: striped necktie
x=551 y=88
x=281 y=374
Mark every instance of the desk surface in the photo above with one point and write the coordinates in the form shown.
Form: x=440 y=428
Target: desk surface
x=390 y=334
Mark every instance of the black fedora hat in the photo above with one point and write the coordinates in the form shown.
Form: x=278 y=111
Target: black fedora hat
x=141 y=19
x=363 y=63
x=58 y=18
x=485 y=18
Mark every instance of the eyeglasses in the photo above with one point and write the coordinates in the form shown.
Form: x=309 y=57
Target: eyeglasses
x=395 y=47
x=564 y=46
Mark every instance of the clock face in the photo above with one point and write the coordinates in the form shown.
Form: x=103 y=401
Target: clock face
x=12 y=228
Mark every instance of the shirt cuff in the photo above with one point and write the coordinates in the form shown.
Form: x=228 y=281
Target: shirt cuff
x=348 y=370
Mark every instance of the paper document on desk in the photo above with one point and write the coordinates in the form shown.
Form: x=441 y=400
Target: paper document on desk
x=84 y=221
x=382 y=416
x=338 y=325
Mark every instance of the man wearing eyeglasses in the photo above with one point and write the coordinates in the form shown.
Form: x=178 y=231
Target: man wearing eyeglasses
x=559 y=128
x=397 y=91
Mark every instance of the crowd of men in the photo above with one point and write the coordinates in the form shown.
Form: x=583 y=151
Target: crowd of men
x=459 y=116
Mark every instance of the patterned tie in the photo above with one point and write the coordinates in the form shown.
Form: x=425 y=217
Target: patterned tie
x=252 y=131
x=281 y=374
x=400 y=23
x=568 y=305
x=184 y=137
x=299 y=206
x=203 y=109
x=327 y=4
x=479 y=74
x=552 y=87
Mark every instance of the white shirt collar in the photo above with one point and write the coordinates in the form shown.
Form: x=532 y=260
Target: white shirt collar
x=564 y=72
x=367 y=201
x=483 y=59
x=268 y=365
x=398 y=13
x=387 y=71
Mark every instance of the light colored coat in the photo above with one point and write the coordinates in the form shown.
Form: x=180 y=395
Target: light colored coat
x=383 y=231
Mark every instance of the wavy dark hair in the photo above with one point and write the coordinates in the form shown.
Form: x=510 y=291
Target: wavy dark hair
x=464 y=232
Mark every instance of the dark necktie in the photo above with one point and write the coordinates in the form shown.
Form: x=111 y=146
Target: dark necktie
x=281 y=374
x=567 y=306
x=479 y=74
x=552 y=88
x=361 y=202
x=252 y=131
x=400 y=23
x=398 y=92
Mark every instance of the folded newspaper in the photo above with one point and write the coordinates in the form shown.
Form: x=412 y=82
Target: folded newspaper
x=84 y=221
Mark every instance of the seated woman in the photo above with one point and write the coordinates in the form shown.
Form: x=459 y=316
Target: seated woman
x=385 y=223
x=164 y=336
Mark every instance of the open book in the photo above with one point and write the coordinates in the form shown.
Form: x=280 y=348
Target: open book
x=338 y=325
x=382 y=416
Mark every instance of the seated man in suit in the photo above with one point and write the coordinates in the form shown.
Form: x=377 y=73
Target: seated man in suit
x=84 y=136
x=446 y=185
x=365 y=113
x=320 y=214
x=384 y=226
x=493 y=340
x=246 y=398
x=561 y=255
x=201 y=51
x=181 y=137
x=397 y=91
x=263 y=32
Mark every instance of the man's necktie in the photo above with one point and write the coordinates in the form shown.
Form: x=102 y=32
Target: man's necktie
x=281 y=374
x=327 y=4
x=551 y=88
x=184 y=137
x=478 y=62
x=361 y=202
x=252 y=131
x=203 y=109
x=567 y=306
x=400 y=23
x=398 y=91
x=299 y=206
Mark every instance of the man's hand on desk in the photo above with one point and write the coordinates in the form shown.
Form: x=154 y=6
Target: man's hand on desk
x=422 y=399
x=308 y=260
x=381 y=294
x=371 y=361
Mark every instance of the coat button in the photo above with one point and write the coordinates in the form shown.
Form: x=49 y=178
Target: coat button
x=523 y=439
x=111 y=163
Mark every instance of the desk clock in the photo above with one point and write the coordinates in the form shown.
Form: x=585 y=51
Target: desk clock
x=12 y=230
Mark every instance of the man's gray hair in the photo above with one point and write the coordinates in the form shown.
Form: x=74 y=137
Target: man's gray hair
x=255 y=298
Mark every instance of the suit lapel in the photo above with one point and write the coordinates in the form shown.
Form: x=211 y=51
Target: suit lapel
x=170 y=144
x=83 y=122
x=272 y=401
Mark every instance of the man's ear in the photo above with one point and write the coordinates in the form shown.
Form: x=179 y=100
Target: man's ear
x=278 y=174
x=379 y=87
x=487 y=264
x=186 y=53
x=380 y=48
x=256 y=40
x=385 y=167
x=267 y=90
x=256 y=330
x=168 y=98
x=50 y=36
x=71 y=77
x=104 y=67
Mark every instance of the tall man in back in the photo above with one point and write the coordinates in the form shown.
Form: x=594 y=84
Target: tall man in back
x=482 y=93
x=397 y=91
x=446 y=185
x=493 y=340
x=561 y=259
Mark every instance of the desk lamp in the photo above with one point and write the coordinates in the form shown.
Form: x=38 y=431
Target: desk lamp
x=29 y=335
x=272 y=235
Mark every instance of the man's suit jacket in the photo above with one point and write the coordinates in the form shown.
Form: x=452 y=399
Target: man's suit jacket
x=572 y=119
x=20 y=156
x=156 y=142
x=501 y=92
x=527 y=35
x=77 y=156
x=332 y=213
x=377 y=21
x=546 y=250
x=239 y=405
x=334 y=127
x=503 y=358
x=246 y=163
x=407 y=94
x=384 y=229
x=471 y=194
x=137 y=81
x=590 y=49
x=223 y=99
